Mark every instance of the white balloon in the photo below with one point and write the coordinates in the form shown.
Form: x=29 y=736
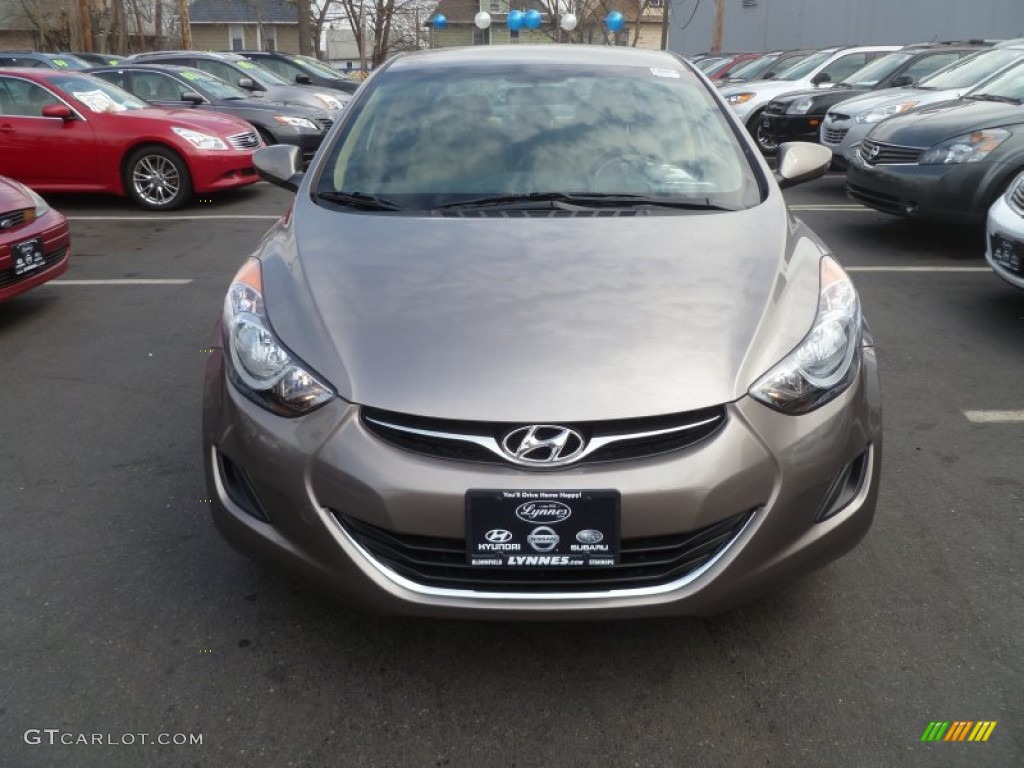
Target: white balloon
x=569 y=22
x=482 y=20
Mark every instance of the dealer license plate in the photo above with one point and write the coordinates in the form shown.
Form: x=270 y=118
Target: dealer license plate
x=27 y=256
x=542 y=529
x=1008 y=253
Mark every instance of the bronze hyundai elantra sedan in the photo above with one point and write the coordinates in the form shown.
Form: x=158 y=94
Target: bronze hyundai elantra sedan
x=539 y=339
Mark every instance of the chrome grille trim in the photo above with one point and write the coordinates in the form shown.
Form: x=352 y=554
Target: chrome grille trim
x=1016 y=197
x=710 y=421
x=13 y=219
x=880 y=153
x=382 y=569
x=247 y=140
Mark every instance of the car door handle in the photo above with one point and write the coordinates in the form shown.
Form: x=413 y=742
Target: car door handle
x=7 y=128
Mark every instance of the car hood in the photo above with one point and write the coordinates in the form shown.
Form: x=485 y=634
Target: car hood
x=563 y=319
x=858 y=105
x=822 y=98
x=927 y=126
x=768 y=88
x=208 y=122
x=272 y=106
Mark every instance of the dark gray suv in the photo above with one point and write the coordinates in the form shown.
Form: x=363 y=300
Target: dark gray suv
x=239 y=71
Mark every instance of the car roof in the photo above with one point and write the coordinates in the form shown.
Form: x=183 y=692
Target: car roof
x=222 y=55
x=584 y=55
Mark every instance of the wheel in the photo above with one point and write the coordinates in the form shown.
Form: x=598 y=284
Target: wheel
x=157 y=178
x=765 y=139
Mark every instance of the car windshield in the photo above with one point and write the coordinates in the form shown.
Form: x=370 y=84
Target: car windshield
x=805 y=67
x=507 y=132
x=710 y=63
x=872 y=74
x=308 y=62
x=97 y=95
x=212 y=87
x=1009 y=85
x=971 y=70
x=68 y=61
x=259 y=74
x=754 y=67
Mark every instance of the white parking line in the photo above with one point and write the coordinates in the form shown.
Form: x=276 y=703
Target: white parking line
x=210 y=217
x=994 y=417
x=917 y=269
x=852 y=207
x=124 y=281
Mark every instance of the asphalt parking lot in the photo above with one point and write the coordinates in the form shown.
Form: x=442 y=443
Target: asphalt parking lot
x=124 y=613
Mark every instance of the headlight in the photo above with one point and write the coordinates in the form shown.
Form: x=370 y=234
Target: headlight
x=262 y=367
x=199 y=140
x=969 y=148
x=739 y=98
x=41 y=206
x=328 y=101
x=800 y=106
x=878 y=115
x=825 y=363
x=296 y=122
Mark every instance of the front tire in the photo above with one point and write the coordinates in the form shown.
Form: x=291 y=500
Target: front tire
x=157 y=179
x=766 y=141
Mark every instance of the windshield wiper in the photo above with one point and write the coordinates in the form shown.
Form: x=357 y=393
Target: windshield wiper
x=567 y=201
x=360 y=200
x=993 y=97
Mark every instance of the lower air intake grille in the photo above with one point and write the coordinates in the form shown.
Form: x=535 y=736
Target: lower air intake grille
x=644 y=562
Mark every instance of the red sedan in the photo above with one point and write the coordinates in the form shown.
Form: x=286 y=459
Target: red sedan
x=34 y=240
x=69 y=132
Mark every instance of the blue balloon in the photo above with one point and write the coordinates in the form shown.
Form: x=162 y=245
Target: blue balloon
x=440 y=21
x=615 y=21
x=515 y=20
x=532 y=19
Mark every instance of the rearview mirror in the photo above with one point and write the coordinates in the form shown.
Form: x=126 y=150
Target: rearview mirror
x=63 y=111
x=303 y=79
x=281 y=165
x=902 y=81
x=800 y=161
x=821 y=77
x=190 y=97
x=247 y=83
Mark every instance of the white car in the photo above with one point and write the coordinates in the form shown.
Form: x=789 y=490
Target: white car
x=819 y=70
x=1004 y=241
x=848 y=122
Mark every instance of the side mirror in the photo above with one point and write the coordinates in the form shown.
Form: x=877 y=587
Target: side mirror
x=800 y=161
x=768 y=75
x=281 y=165
x=62 y=111
x=191 y=97
x=303 y=79
x=247 y=83
x=902 y=81
x=821 y=77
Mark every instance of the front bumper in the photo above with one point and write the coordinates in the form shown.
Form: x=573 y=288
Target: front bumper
x=957 y=192
x=1006 y=223
x=791 y=127
x=52 y=227
x=213 y=171
x=306 y=473
x=843 y=136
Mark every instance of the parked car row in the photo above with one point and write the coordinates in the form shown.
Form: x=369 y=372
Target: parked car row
x=931 y=131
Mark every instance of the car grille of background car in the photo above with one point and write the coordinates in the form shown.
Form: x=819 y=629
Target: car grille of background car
x=248 y=140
